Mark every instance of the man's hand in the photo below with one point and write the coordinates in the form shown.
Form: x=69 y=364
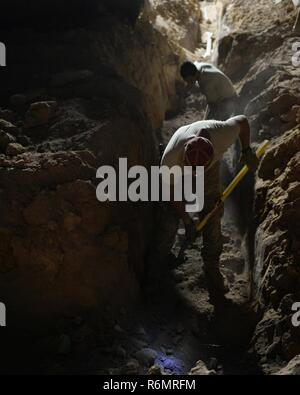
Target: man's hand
x=190 y=231
x=250 y=159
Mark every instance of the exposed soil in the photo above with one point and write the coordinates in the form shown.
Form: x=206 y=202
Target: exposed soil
x=180 y=327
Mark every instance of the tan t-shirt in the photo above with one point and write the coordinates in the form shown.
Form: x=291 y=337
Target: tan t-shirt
x=214 y=84
x=222 y=135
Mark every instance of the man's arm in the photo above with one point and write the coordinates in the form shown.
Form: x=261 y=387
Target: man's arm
x=190 y=227
x=248 y=155
x=244 y=131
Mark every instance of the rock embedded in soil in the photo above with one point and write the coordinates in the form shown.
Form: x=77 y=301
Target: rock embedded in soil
x=39 y=114
x=5 y=139
x=155 y=370
x=14 y=149
x=8 y=127
x=202 y=370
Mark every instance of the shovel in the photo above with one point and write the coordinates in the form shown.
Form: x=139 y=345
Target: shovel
x=230 y=188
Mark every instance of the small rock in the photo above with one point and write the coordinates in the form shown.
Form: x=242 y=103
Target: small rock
x=146 y=356
x=5 y=139
x=169 y=351
x=277 y=172
x=19 y=163
x=155 y=370
x=131 y=368
x=8 y=127
x=118 y=329
x=39 y=114
x=201 y=370
x=14 y=149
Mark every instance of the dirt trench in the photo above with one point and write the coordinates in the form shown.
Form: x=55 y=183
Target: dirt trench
x=181 y=324
x=186 y=322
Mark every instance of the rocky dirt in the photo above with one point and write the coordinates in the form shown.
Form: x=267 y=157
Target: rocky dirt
x=268 y=81
x=71 y=109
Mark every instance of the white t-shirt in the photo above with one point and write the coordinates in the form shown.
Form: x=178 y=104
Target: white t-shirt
x=214 y=84
x=222 y=135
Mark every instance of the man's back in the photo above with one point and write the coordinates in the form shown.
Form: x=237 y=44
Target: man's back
x=221 y=133
x=214 y=84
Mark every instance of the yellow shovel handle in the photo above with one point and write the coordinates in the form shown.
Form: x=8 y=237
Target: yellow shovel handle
x=259 y=152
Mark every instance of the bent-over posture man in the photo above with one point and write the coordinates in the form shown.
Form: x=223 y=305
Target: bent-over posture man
x=203 y=143
x=218 y=89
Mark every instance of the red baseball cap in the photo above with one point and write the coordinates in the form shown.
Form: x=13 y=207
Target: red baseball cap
x=199 y=151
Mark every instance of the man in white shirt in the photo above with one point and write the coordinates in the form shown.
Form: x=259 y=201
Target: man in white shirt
x=218 y=89
x=203 y=143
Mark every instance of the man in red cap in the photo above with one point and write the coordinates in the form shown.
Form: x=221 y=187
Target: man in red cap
x=203 y=143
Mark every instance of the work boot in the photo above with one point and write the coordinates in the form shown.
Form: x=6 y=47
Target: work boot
x=216 y=280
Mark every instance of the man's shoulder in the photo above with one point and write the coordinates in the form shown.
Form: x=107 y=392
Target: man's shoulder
x=235 y=121
x=207 y=124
